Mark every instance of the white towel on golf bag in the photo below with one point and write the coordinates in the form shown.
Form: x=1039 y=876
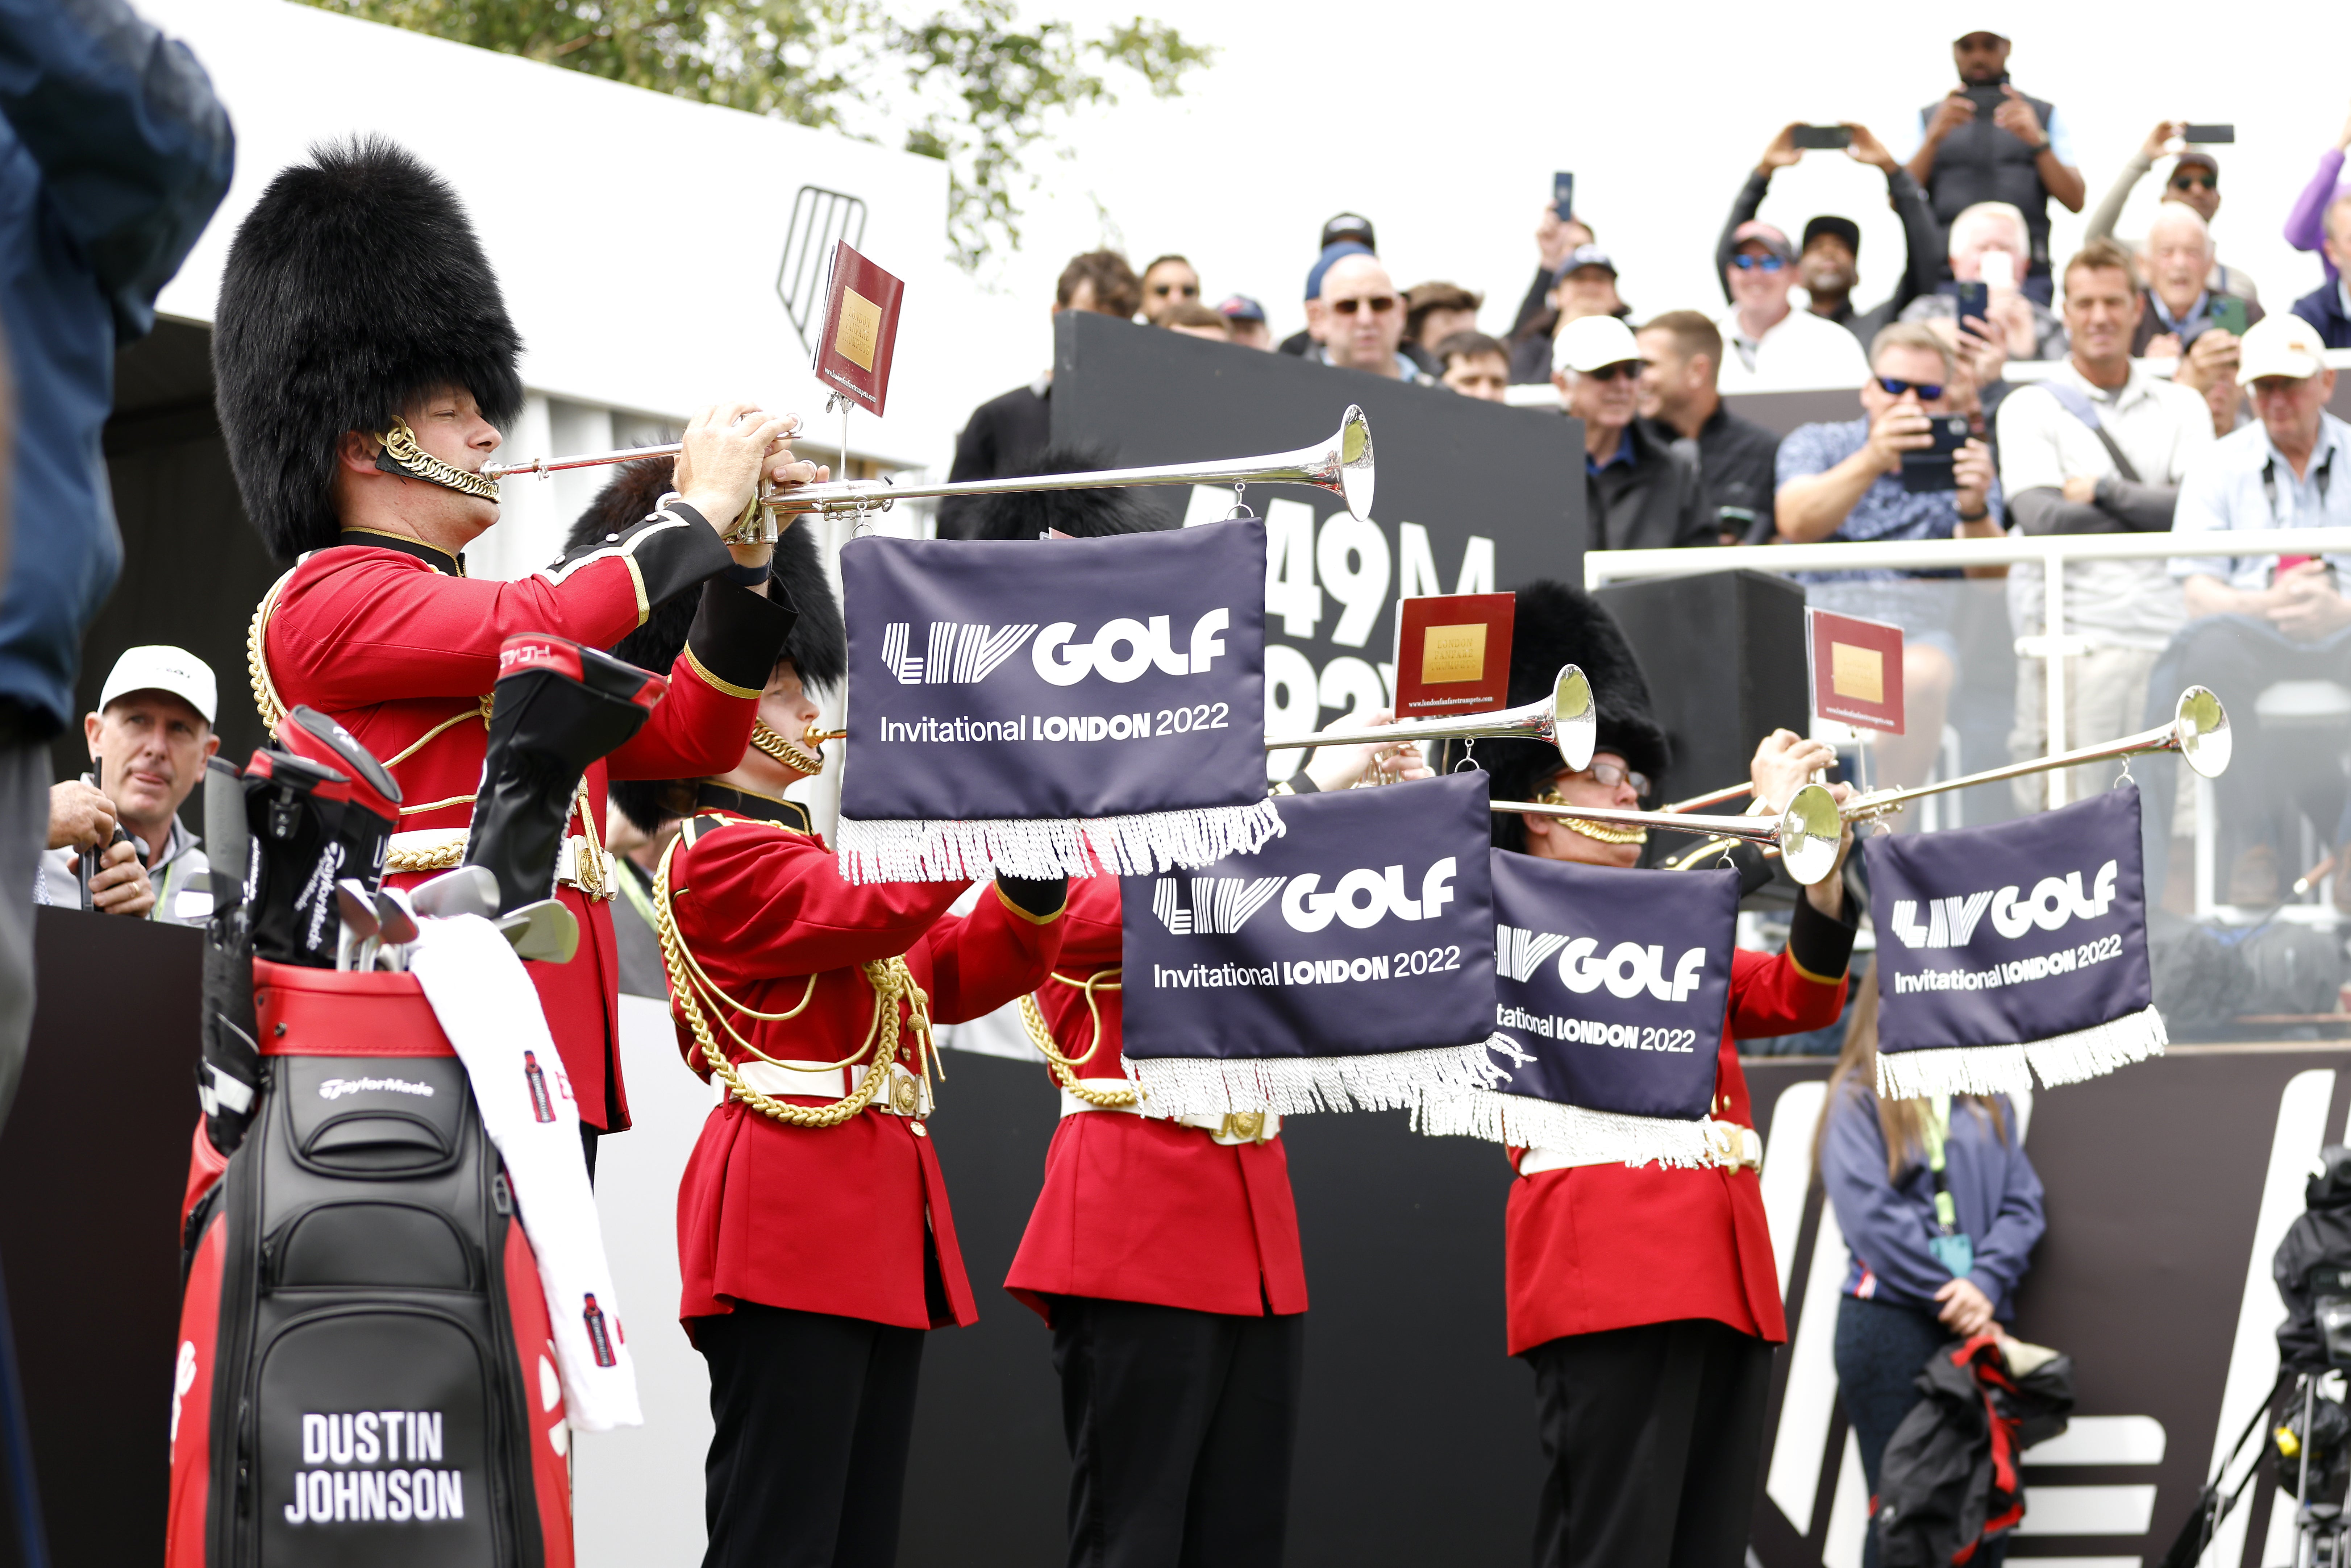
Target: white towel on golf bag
x=490 y=1011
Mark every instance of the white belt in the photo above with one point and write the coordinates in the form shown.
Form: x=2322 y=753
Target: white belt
x=570 y=860
x=905 y=1094
x=1233 y=1127
x=1730 y=1145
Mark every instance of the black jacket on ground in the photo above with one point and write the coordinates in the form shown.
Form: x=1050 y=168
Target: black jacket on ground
x=1653 y=502
x=1004 y=437
x=1926 y=266
x=1737 y=462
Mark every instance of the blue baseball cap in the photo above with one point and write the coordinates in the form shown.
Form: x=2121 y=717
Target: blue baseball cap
x=1241 y=308
x=1330 y=258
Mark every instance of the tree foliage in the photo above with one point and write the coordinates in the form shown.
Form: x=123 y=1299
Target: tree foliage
x=968 y=84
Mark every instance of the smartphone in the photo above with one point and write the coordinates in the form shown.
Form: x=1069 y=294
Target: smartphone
x=1974 y=299
x=1932 y=469
x=1822 y=136
x=1998 y=269
x=1563 y=196
x=1987 y=97
x=2228 y=314
x=2208 y=135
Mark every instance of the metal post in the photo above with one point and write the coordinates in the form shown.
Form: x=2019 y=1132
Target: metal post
x=2053 y=592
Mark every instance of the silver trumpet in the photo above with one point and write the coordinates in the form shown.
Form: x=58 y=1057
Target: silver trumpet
x=1805 y=835
x=1565 y=718
x=1341 y=464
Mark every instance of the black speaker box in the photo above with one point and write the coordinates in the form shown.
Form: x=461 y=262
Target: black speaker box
x=1724 y=654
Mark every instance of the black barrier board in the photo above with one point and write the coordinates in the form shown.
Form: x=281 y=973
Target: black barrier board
x=1471 y=496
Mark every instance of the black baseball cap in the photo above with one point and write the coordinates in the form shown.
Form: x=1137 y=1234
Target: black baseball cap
x=1350 y=225
x=1845 y=229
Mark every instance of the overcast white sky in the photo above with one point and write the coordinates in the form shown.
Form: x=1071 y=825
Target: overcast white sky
x=1444 y=127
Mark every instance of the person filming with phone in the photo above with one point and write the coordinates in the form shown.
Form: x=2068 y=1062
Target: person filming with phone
x=1986 y=142
x=1904 y=470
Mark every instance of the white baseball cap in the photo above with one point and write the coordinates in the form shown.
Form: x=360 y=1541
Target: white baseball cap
x=159 y=667
x=2280 y=345
x=1589 y=342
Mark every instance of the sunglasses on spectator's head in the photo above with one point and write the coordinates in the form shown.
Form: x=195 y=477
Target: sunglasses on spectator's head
x=1625 y=368
x=1378 y=304
x=1188 y=290
x=2189 y=181
x=1751 y=263
x=1895 y=387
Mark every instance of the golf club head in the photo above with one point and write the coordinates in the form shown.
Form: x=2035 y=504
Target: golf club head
x=468 y=890
x=398 y=918
x=544 y=931
x=358 y=910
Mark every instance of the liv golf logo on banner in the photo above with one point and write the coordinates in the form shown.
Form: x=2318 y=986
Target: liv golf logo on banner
x=1608 y=1011
x=1349 y=964
x=1032 y=705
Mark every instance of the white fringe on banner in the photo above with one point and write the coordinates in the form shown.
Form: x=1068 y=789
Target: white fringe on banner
x=923 y=850
x=1583 y=1135
x=2006 y=1069
x=1295 y=1085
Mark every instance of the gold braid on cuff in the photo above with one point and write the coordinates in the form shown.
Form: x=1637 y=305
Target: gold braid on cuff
x=784 y=751
x=400 y=447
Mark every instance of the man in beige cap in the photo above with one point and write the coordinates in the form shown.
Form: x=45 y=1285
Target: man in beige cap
x=148 y=741
x=1640 y=492
x=2263 y=618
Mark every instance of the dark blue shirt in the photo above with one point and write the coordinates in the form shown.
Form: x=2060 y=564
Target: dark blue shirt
x=1624 y=454
x=113 y=155
x=1887 y=1225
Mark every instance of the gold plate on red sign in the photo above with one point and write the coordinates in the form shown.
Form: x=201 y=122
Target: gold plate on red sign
x=1856 y=669
x=861 y=329
x=1453 y=654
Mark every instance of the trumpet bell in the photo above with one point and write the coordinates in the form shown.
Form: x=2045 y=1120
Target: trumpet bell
x=1810 y=830
x=1574 y=721
x=2202 y=725
x=1350 y=463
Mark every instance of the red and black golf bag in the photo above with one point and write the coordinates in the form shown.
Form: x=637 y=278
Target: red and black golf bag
x=365 y=1375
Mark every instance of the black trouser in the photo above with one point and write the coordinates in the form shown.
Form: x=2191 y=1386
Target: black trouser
x=1880 y=1346
x=1180 y=1426
x=1654 y=1436
x=814 y=1414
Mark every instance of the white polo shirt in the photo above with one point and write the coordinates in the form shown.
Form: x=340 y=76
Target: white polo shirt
x=2243 y=482
x=2162 y=429
x=1801 y=353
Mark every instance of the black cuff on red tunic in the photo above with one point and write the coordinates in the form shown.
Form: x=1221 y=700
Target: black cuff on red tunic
x=1819 y=945
x=1041 y=896
x=670 y=560
x=737 y=637
x=1298 y=783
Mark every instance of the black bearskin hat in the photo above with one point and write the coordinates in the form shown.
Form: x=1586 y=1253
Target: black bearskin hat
x=818 y=646
x=1556 y=625
x=353 y=287
x=1080 y=514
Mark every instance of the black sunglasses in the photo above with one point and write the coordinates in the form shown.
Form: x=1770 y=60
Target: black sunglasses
x=1381 y=304
x=2189 y=181
x=1927 y=391
x=1188 y=290
x=1625 y=370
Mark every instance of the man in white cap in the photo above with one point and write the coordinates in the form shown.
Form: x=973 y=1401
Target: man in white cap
x=1640 y=492
x=148 y=741
x=2263 y=618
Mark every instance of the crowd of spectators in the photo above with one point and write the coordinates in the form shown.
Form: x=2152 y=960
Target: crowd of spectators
x=2159 y=370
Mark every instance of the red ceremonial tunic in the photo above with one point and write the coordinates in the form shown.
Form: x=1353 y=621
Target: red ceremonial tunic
x=1592 y=1248
x=826 y=1220
x=390 y=638
x=1141 y=1210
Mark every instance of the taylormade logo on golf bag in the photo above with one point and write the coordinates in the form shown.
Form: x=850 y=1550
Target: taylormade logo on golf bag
x=416 y=1488
x=335 y=1088
x=1951 y=922
x=1628 y=969
x=1363 y=898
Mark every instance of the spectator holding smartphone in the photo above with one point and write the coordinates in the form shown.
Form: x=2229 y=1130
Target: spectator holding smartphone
x=2194 y=181
x=2305 y=225
x=1827 y=263
x=1844 y=481
x=1986 y=142
x=2184 y=314
x=1990 y=246
x=1587 y=286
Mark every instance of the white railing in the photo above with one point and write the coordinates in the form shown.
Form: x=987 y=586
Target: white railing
x=1542 y=394
x=2051 y=552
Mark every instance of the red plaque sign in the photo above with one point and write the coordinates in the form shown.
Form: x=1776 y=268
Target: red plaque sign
x=860 y=329
x=1453 y=654
x=1857 y=670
